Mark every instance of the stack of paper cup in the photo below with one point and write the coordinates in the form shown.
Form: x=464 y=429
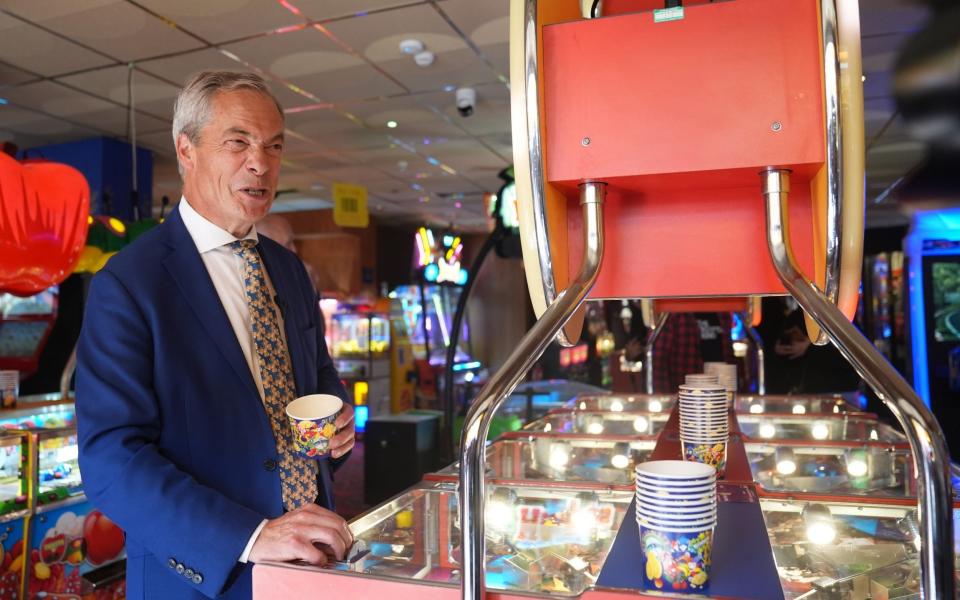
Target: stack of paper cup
x=700 y=378
x=704 y=424
x=726 y=376
x=676 y=514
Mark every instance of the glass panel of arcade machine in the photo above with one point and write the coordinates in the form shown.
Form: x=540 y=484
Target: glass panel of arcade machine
x=12 y=484
x=59 y=471
x=437 y=309
x=359 y=335
x=838 y=551
x=858 y=428
x=796 y=405
x=869 y=469
x=538 y=540
x=24 y=322
x=564 y=460
x=652 y=403
x=601 y=423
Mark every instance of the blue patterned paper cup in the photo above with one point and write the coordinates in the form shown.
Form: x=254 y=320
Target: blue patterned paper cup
x=312 y=420
x=676 y=561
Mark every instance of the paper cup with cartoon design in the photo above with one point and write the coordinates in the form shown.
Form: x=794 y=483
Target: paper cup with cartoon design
x=313 y=421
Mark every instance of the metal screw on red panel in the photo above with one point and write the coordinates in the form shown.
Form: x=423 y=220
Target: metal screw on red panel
x=585 y=141
x=777 y=126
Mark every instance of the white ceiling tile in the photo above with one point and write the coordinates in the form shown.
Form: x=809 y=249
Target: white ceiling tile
x=294 y=54
x=378 y=36
x=10 y=75
x=331 y=9
x=150 y=95
x=31 y=48
x=452 y=68
x=354 y=83
x=486 y=22
x=55 y=99
x=177 y=69
x=118 y=29
x=114 y=121
x=221 y=20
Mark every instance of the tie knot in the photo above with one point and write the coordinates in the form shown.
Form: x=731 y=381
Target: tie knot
x=241 y=247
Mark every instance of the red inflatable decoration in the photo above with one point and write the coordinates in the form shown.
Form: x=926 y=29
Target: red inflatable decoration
x=43 y=223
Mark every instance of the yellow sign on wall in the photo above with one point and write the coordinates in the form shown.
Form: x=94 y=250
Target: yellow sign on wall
x=350 y=205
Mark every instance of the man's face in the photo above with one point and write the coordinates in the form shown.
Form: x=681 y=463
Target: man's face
x=230 y=173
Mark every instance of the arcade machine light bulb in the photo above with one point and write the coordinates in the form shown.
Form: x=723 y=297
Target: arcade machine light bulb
x=786 y=461
x=857 y=463
x=559 y=455
x=767 y=430
x=756 y=408
x=616 y=406
x=820 y=527
x=655 y=406
x=641 y=425
x=820 y=431
x=499 y=512
x=799 y=409
x=621 y=456
x=595 y=426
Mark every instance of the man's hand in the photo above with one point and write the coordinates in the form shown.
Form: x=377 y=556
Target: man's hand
x=343 y=441
x=293 y=536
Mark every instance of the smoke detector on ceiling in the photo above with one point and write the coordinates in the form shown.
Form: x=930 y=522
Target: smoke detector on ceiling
x=411 y=46
x=423 y=59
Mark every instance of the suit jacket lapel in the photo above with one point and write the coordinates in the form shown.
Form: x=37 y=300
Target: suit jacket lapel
x=286 y=291
x=188 y=271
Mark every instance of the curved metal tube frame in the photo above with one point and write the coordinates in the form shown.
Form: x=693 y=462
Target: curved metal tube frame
x=834 y=155
x=761 y=357
x=921 y=428
x=538 y=196
x=648 y=358
x=531 y=347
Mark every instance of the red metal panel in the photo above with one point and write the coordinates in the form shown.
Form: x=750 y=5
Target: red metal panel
x=683 y=243
x=680 y=119
x=699 y=94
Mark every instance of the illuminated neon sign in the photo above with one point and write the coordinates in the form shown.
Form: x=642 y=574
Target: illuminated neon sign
x=440 y=257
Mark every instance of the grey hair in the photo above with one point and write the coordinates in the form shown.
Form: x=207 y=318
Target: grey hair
x=191 y=111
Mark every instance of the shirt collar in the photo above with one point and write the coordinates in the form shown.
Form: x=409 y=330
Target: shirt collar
x=205 y=234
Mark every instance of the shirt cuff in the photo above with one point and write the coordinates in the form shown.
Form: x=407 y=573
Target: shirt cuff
x=253 y=539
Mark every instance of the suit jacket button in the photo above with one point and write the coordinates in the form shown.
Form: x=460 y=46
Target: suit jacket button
x=180 y=568
x=197 y=578
x=172 y=563
x=270 y=465
x=188 y=573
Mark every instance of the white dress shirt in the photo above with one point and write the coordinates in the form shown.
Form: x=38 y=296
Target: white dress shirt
x=226 y=271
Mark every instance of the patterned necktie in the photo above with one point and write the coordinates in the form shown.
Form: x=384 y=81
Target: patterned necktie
x=298 y=476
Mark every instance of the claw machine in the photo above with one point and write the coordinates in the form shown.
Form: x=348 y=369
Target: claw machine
x=74 y=551
x=360 y=348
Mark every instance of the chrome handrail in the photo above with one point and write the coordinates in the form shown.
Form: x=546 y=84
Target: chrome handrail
x=501 y=385
x=931 y=460
x=537 y=195
x=834 y=155
x=648 y=357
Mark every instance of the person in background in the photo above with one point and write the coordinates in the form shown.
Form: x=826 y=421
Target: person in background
x=195 y=338
x=796 y=366
x=279 y=229
x=687 y=341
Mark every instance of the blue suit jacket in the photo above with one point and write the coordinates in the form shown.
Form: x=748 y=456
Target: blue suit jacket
x=175 y=445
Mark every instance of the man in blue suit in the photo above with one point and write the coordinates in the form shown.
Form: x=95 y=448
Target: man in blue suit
x=195 y=338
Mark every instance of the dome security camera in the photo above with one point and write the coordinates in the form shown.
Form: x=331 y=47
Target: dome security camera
x=466 y=101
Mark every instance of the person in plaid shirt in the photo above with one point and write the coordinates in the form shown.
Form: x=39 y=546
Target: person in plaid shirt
x=686 y=342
